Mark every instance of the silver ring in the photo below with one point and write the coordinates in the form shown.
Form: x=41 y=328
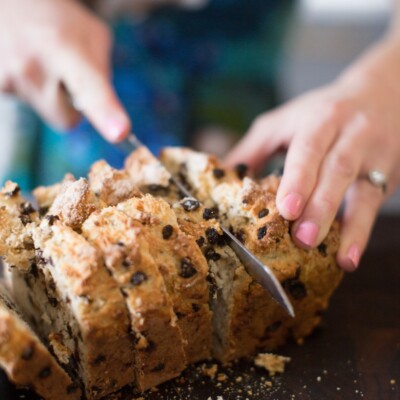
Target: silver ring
x=378 y=179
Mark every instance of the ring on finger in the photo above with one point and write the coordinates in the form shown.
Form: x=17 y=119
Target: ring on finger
x=377 y=178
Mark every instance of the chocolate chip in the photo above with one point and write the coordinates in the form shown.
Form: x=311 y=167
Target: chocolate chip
x=138 y=278
x=126 y=263
x=263 y=213
x=218 y=173
x=99 y=359
x=167 y=231
x=26 y=208
x=13 y=192
x=45 y=373
x=28 y=352
x=72 y=388
x=322 y=249
x=187 y=268
x=43 y=211
x=25 y=219
x=211 y=254
x=53 y=301
x=159 y=367
x=195 y=307
x=200 y=241
x=261 y=232
x=241 y=170
x=210 y=213
x=213 y=237
x=121 y=244
x=52 y=218
x=295 y=287
x=190 y=204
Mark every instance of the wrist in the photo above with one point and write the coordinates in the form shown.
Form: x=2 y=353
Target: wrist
x=379 y=65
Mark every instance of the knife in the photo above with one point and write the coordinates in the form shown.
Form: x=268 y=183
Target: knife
x=260 y=272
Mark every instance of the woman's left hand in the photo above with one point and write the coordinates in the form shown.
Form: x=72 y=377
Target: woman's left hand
x=335 y=136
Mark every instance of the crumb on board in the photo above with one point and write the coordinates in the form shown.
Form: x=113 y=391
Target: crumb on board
x=392 y=381
x=209 y=371
x=273 y=363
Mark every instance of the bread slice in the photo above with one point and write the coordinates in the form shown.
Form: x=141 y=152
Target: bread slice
x=124 y=244
x=26 y=360
x=183 y=268
x=150 y=176
x=77 y=306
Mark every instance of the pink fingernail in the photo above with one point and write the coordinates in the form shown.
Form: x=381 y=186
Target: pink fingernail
x=292 y=204
x=307 y=233
x=354 y=255
x=116 y=129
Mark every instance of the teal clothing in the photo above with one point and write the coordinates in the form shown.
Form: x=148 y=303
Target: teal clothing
x=175 y=71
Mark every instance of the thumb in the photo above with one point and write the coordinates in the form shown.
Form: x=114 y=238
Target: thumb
x=91 y=92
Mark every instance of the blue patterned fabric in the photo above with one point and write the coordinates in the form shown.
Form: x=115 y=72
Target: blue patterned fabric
x=175 y=71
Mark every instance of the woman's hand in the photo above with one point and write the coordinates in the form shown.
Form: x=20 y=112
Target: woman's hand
x=335 y=136
x=55 y=51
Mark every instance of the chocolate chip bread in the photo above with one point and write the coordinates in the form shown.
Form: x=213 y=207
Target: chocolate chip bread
x=249 y=211
x=26 y=360
x=76 y=300
x=124 y=244
x=183 y=268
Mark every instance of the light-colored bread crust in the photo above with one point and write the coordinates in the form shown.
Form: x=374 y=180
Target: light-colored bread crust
x=183 y=268
x=45 y=195
x=100 y=324
x=124 y=244
x=26 y=360
x=74 y=203
x=111 y=185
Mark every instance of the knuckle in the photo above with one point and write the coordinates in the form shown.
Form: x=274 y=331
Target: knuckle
x=332 y=110
x=342 y=164
x=327 y=203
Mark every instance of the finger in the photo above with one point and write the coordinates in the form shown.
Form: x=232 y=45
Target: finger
x=90 y=87
x=44 y=94
x=338 y=170
x=303 y=162
x=258 y=144
x=362 y=204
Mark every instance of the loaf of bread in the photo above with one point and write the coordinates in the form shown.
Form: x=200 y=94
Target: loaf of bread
x=126 y=282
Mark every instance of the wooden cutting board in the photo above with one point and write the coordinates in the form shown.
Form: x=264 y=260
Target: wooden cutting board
x=354 y=355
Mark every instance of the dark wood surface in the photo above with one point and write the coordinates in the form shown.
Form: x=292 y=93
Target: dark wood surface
x=354 y=355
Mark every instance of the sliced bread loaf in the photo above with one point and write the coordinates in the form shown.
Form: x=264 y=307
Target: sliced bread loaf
x=125 y=246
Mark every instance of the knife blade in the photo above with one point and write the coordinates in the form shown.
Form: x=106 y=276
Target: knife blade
x=260 y=272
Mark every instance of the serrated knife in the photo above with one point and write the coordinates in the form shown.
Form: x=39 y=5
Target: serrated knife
x=260 y=272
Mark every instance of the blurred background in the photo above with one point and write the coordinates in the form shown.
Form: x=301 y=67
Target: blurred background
x=323 y=37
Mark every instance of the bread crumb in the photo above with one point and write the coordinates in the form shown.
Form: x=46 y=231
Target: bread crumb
x=209 y=371
x=268 y=383
x=221 y=377
x=392 y=381
x=273 y=363
x=318 y=379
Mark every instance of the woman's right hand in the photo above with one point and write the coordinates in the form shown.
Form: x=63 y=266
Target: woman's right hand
x=53 y=51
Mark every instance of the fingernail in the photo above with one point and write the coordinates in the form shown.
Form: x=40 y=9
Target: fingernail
x=292 y=204
x=307 y=233
x=354 y=255
x=116 y=129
